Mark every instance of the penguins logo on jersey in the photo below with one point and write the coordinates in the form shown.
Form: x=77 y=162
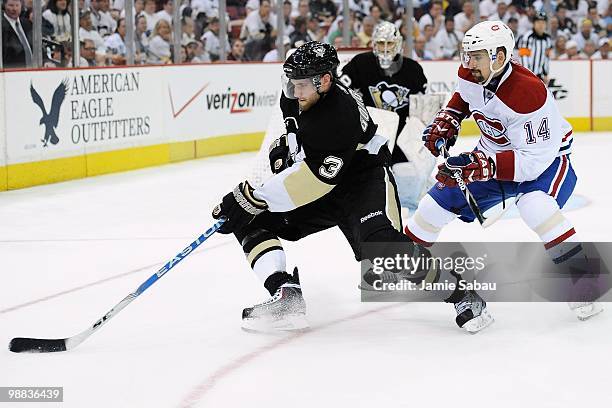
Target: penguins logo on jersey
x=389 y=97
x=492 y=129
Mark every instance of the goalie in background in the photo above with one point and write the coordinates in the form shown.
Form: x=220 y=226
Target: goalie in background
x=389 y=81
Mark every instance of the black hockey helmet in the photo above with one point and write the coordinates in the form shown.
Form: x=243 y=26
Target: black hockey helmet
x=540 y=15
x=310 y=60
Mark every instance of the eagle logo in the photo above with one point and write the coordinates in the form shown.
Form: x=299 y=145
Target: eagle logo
x=389 y=97
x=51 y=119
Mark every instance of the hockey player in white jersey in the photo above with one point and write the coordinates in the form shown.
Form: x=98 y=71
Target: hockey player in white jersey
x=523 y=152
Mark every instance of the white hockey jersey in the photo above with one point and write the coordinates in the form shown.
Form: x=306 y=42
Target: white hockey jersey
x=521 y=127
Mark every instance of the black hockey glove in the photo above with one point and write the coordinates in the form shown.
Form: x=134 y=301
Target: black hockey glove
x=279 y=149
x=239 y=207
x=279 y=155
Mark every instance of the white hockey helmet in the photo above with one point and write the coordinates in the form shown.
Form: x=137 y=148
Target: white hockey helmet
x=386 y=43
x=488 y=36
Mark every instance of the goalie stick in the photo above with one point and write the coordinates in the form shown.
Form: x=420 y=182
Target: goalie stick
x=484 y=221
x=31 y=345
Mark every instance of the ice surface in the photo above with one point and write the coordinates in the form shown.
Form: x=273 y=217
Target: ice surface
x=70 y=251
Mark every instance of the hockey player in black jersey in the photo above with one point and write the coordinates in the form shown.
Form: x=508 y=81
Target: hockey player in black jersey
x=386 y=80
x=331 y=169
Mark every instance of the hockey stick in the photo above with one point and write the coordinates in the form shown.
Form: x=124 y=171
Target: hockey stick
x=30 y=345
x=484 y=221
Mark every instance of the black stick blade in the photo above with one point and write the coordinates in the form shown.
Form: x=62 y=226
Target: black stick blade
x=27 y=345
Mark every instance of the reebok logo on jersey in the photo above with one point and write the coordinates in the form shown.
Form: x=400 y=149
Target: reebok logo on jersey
x=370 y=215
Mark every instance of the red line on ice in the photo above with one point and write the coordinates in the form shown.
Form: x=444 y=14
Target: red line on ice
x=197 y=393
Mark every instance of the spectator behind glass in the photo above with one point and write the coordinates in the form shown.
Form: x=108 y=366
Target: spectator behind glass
x=589 y=49
x=101 y=18
x=434 y=17
x=237 y=52
x=576 y=9
x=212 y=45
x=501 y=13
x=199 y=54
x=88 y=52
x=315 y=31
x=467 y=18
x=324 y=10
x=449 y=39
x=166 y=12
x=300 y=33
x=431 y=43
x=141 y=40
x=594 y=18
x=338 y=31
x=188 y=30
x=376 y=14
x=287 y=7
x=115 y=45
x=138 y=8
x=571 y=51
x=88 y=32
x=513 y=25
x=15 y=54
x=57 y=14
x=585 y=34
x=159 y=44
x=365 y=35
x=149 y=13
x=559 y=48
x=604 y=50
x=565 y=23
x=303 y=9
x=258 y=25
x=487 y=8
x=419 y=53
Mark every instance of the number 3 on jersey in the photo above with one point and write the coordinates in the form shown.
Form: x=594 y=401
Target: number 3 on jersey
x=543 y=131
x=331 y=166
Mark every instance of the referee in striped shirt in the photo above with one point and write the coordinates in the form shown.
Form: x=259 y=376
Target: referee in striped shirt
x=534 y=48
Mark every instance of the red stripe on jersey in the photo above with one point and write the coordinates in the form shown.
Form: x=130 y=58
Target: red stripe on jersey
x=457 y=103
x=560 y=177
x=416 y=239
x=505 y=165
x=566 y=136
x=522 y=91
x=560 y=238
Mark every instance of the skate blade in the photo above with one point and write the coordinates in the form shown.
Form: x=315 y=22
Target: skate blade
x=586 y=312
x=290 y=323
x=480 y=322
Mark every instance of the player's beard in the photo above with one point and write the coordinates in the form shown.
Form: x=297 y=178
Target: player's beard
x=477 y=75
x=308 y=102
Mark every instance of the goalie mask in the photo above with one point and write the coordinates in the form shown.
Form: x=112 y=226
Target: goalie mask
x=309 y=62
x=386 y=43
x=487 y=36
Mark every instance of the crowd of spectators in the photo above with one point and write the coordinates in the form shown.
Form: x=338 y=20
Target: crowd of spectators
x=579 y=29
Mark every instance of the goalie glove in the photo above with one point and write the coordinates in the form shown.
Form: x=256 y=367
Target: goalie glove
x=473 y=166
x=239 y=207
x=445 y=126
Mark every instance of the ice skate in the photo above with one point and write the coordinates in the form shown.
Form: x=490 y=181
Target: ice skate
x=472 y=313
x=284 y=311
x=585 y=310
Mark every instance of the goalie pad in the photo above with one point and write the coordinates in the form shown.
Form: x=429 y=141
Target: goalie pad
x=414 y=177
x=425 y=106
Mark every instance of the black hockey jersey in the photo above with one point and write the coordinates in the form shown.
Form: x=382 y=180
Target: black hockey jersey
x=383 y=92
x=335 y=141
